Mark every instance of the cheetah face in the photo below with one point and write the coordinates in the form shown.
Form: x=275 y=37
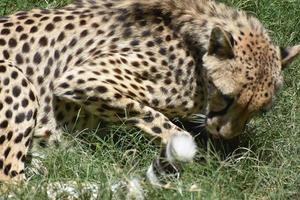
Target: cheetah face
x=243 y=78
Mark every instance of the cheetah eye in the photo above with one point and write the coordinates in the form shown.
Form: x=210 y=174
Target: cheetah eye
x=227 y=98
x=229 y=101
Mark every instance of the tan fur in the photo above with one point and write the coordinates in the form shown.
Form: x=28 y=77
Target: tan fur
x=142 y=62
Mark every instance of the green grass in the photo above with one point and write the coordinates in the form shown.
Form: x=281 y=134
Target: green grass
x=266 y=167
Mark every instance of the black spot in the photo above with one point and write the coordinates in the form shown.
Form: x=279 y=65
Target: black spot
x=155 y=102
x=31 y=96
x=135 y=64
x=132 y=121
x=25 y=48
x=101 y=89
x=33 y=29
x=148 y=119
x=19 y=29
x=127 y=32
x=40 y=80
x=12 y=42
x=29 y=21
x=70 y=17
x=61 y=37
x=156 y=129
x=8 y=100
x=64 y=85
x=150 y=89
x=19 y=155
x=2 y=139
x=27 y=131
x=134 y=42
x=6 y=81
x=69 y=26
x=28 y=142
x=84 y=33
x=73 y=42
x=16 y=91
x=57 y=19
x=43 y=41
x=4 y=124
x=2 y=42
x=24 y=103
x=6 y=152
x=163 y=51
x=14 y=74
x=9 y=135
x=13 y=173
x=20 y=118
x=56 y=54
x=5 y=31
x=37 y=58
x=16 y=106
x=29 y=71
x=8 y=114
x=146 y=33
x=44 y=120
x=24 y=83
x=46 y=71
x=7 y=169
x=23 y=36
x=29 y=115
x=166 y=125
x=2 y=69
x=19 y=138
x=6 y=54
x=49 y=27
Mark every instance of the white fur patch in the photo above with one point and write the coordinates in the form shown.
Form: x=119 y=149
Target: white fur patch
x=181 y=147
x=135 y=190
x=151 y=176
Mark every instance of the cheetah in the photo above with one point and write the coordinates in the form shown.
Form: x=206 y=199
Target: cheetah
x=137 y=61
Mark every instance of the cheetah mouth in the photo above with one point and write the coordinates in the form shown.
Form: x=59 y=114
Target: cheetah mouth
x=212 y=131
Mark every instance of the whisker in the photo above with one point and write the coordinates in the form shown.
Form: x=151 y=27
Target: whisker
x=198 y=116
x=198 y=119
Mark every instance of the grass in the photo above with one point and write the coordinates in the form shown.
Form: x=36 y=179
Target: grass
x=266 y=166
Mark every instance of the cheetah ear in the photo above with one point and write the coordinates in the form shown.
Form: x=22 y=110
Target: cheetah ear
x=288 y=54
x=221 y=44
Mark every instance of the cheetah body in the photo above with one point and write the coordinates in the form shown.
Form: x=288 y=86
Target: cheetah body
x=136 y=61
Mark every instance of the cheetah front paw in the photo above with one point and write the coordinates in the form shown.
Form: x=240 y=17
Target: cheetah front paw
x=180 y=149
x=36 y=166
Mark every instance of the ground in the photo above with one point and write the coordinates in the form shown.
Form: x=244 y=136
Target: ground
x=266 y=167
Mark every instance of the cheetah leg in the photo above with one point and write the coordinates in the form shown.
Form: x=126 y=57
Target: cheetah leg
x=104 y=100
x=177 y=145
x=48 y=132
x=18 y=106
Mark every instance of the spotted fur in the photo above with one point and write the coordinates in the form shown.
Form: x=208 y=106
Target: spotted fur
x=142 y=62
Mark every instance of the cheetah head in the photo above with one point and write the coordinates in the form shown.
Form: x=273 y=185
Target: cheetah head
x=243 y=76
